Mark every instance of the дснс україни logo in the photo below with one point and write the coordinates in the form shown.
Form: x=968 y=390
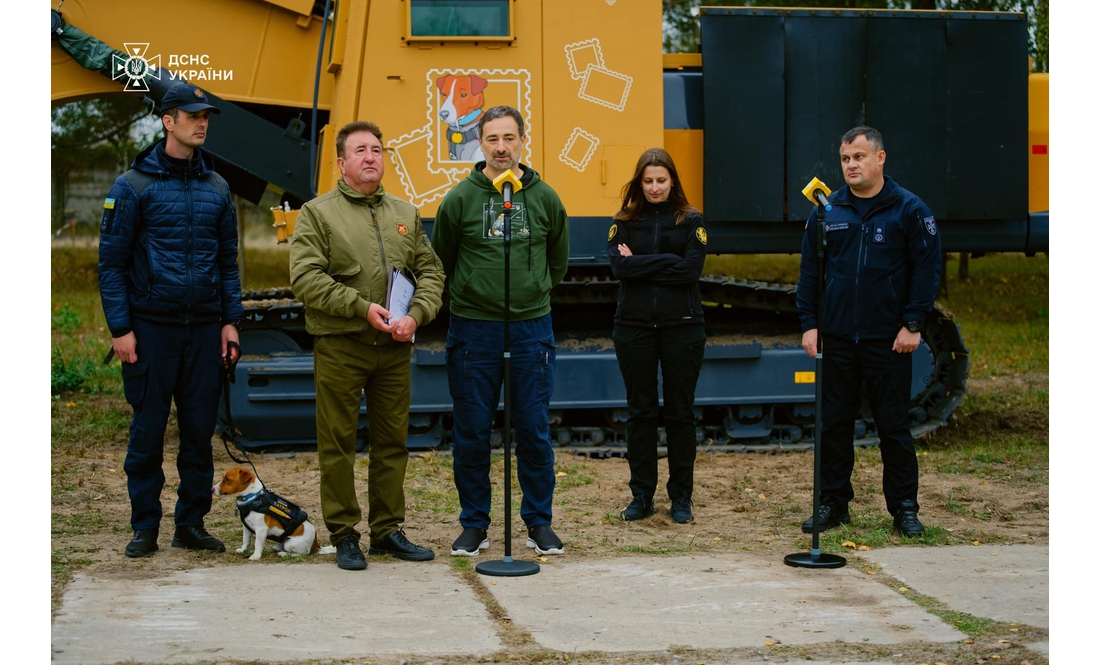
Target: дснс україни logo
x=135 y=67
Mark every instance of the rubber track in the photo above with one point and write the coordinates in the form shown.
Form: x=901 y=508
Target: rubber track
x=928 y=411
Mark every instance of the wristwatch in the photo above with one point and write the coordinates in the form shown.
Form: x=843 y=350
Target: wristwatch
x=912 y=326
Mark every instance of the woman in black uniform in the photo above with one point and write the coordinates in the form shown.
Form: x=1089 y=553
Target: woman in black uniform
x=657 y=245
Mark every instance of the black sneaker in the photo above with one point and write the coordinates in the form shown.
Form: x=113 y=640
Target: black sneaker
x=470 y=542
x=349 y=556
x=681 y=511
x=143 y=544
x=905 y=520
x=543 y=540
x=397 y=545
x=829 y=517
x=639 y=509
x=196 y=538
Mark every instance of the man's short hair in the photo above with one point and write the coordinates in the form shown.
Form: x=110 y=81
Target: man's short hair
x=500 y=112
x=351 y=128
x=872 y=134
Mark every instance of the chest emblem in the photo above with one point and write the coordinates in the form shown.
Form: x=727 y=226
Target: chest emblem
x=612 y=231
x=701 y=234
x=402 y=229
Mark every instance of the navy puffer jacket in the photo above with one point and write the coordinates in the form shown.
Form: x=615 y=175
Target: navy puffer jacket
x=169 y=253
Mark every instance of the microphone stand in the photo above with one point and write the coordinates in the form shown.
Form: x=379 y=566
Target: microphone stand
x=507 y=567
x=815 y=559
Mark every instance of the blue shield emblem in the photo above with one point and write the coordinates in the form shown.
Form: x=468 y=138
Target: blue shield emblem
x=930 y=225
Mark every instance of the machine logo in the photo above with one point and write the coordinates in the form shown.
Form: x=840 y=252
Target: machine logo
x=135 y=67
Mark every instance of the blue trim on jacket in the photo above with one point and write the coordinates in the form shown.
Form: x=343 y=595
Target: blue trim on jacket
x=880 y=272
x=169 y=254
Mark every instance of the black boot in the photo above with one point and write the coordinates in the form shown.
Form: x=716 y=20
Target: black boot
x=639 y=509
x=829 y=516
x=143 y=544
x=905 y=520
x=196 y=538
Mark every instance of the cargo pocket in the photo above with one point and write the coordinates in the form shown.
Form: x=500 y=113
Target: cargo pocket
x=548 y=355
x=135 y=379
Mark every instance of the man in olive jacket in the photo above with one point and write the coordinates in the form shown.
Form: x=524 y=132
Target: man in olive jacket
x=345 y=244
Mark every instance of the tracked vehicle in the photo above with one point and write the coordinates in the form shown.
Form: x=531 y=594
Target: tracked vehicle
x=749 y=121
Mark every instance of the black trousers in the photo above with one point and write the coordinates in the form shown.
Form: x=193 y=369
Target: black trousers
x=888 y=376
x=679 y=352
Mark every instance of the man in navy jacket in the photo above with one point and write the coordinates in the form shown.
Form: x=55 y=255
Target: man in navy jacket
x=171 y=294
x=882 y=269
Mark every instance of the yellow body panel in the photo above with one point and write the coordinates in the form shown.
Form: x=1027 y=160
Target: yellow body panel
x=271 y=56
x=685 y=146
x=1038 y=142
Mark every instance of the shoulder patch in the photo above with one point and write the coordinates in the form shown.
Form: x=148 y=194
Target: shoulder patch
x=930 y=225
x=612 y=231
x=109 y=204
x=701 y=234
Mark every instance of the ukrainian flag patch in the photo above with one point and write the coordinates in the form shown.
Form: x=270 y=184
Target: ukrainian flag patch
x=109 y=204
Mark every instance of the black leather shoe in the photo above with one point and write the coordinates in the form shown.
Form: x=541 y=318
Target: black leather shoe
x=143 y=544
x=196 y=538
x=681 y=511
x=397 y=545
x=639 y=509
x=905 y=520
x=829 y=517
x=349 y=556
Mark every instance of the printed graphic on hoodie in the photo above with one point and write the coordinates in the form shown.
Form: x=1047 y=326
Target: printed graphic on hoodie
x=492 y=220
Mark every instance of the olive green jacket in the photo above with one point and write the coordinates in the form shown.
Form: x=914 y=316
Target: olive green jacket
x=343 y=247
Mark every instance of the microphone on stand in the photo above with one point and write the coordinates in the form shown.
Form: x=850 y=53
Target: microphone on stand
x=507 y=183
x=818 y=193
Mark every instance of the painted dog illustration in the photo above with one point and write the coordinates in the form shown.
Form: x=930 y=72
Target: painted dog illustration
x=463 y=105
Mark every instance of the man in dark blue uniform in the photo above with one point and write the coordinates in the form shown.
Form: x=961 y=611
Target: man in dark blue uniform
x=882 y=269
x=171 y=295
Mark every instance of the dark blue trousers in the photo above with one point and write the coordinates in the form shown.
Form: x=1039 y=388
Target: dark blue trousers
x=888 y=376
x=180 y=362
x=475 y=373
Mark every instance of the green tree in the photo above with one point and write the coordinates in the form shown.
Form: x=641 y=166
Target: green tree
x=682 y=17
x=93 y=134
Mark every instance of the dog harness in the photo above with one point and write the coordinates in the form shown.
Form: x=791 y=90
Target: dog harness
x=288 y=515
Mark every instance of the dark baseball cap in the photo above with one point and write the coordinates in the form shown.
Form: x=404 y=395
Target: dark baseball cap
x=187 y=97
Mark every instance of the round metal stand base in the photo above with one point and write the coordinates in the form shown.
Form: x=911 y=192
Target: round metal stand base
x=807 y=560
x=504 y=568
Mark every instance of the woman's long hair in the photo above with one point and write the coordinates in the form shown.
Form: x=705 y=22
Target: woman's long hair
x=634 y=198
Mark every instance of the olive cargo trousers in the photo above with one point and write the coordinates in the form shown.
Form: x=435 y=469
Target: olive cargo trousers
x=344 y=366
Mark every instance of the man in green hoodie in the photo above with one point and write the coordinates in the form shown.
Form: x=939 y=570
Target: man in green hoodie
x=345 y=244
x=468 y=237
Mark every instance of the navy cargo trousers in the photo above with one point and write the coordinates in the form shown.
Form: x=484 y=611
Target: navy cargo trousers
x=181 y=363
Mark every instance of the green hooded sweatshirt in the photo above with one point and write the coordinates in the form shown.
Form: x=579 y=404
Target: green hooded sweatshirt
x=343 y=247
x=469 y=239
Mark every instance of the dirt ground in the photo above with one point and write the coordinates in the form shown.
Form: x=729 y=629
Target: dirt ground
x=751 y=501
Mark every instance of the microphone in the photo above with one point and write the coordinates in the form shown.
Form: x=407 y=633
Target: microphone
x=818 y=193
x=507 y=183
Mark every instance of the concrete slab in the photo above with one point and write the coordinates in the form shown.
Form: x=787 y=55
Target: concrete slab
x=271 y=612
x=1003 y=582
x=716 y=601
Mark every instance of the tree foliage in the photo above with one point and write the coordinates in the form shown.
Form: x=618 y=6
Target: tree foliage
x=92 y=134
x=682 y=17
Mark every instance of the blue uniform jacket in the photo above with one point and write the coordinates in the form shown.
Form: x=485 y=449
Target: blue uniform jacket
x=169 y=255
x=880 y=272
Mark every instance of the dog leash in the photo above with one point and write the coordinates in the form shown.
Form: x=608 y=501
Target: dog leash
x=230 y=431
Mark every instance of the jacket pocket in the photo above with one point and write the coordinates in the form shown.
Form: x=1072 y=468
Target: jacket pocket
x=135 y=382
x=346 y=274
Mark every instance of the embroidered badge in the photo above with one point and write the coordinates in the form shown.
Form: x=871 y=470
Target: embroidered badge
x=930 y=225
x=880 y=234
x=109 y=204
x=402 y=229
x=198 y=93
x=612 y=231
x=701 y=234
x=839 y=226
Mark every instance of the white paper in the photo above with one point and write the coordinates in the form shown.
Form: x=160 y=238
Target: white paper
x=400 y=295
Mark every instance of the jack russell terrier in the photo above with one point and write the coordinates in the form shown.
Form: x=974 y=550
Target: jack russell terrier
x=268 y=516
x=462 y=107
